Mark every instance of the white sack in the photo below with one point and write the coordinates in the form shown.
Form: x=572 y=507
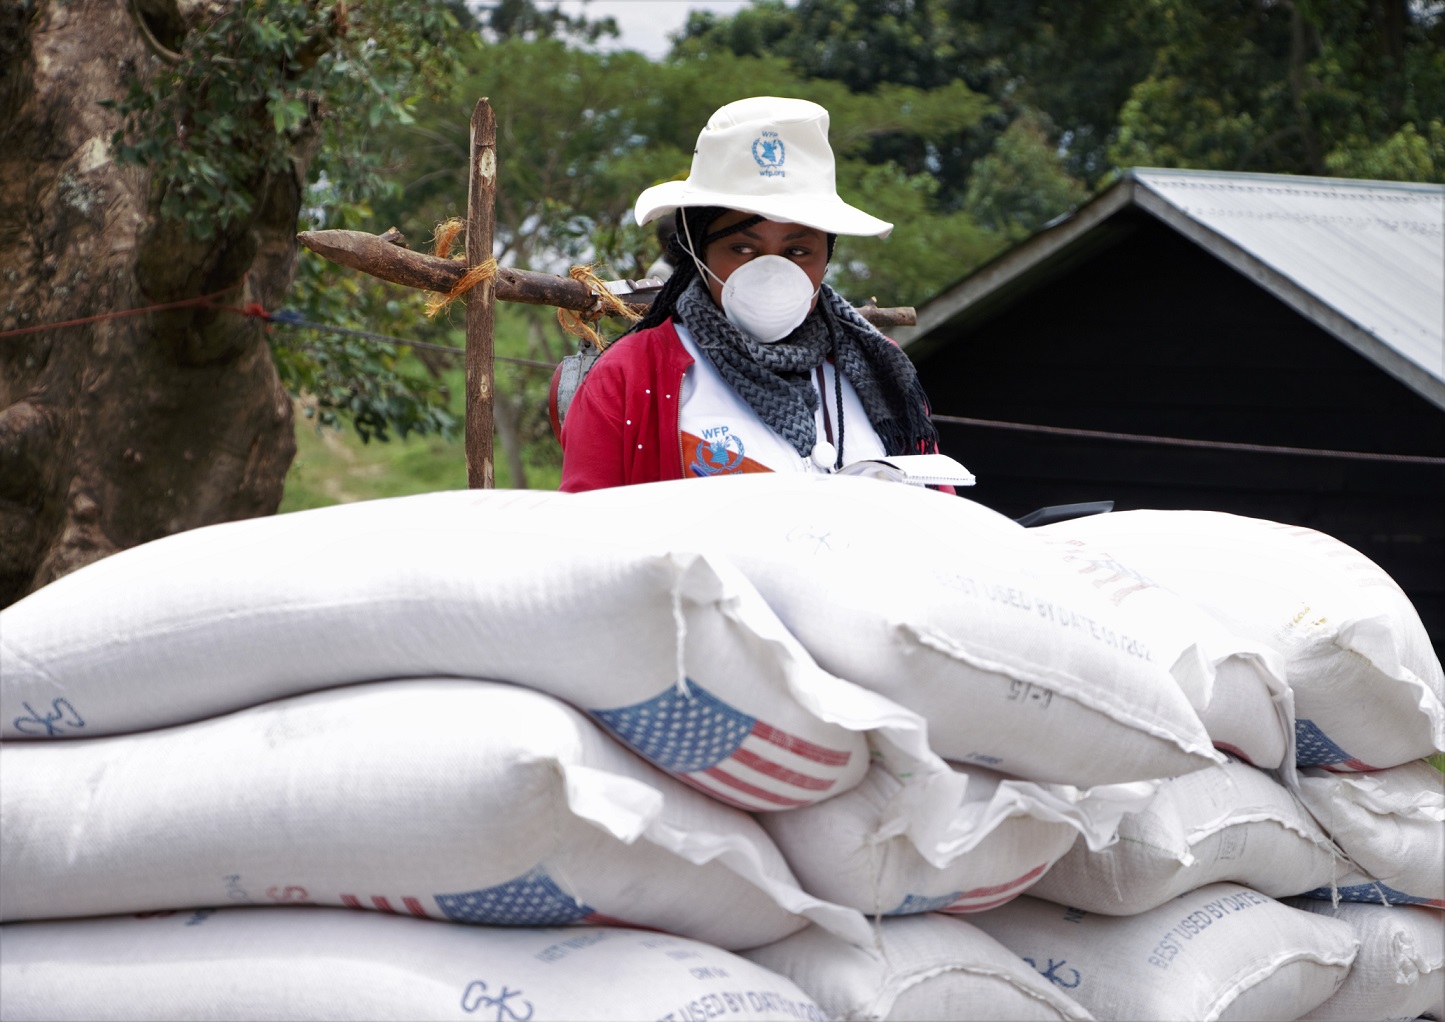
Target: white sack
x=1391 y=823
x=943 y=606
x=464 y=584
x=1221 y=952
x=846 y=851
x=1231 y=822
x=1400 y=970
x=464 y=800
x=1237 y=686
x=926 y=967
x=1349 y=635
x=292 y=963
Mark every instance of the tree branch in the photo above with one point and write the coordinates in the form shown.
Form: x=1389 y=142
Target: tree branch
x=369 y=253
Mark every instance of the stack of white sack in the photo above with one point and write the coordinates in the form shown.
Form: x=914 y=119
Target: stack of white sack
x=1222 y=952
x=1252 y=818
x=247 y=964
x=217 y=737
x=775 y=644
x=447 y=799
x=1400 y=970
x=1018 y=663
x=1367 y=688
x=642 y=637
x=924 y=967
x=1367 y=685
x=320 y=677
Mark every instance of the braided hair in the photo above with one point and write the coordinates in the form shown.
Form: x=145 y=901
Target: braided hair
x=692 y=222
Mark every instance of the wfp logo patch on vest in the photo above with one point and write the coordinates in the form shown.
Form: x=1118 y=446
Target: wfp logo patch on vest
x=770 y=154
x=719 y=453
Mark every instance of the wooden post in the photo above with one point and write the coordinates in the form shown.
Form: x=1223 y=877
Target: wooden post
x=481 y=221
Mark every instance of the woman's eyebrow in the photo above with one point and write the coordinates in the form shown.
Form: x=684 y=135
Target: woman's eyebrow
x=806 y=232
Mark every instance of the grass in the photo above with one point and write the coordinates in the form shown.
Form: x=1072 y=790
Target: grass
x=337 y=467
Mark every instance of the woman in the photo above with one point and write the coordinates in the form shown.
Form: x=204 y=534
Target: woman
x=733 y=368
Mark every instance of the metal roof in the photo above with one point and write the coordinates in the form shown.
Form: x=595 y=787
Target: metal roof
x=1365 y=260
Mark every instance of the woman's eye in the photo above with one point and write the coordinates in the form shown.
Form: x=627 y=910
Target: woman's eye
x=799 y=253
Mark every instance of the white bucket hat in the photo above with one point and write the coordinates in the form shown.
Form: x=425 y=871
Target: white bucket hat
x=768 y=156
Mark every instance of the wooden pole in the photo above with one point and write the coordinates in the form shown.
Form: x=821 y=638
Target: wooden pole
x=481 y=220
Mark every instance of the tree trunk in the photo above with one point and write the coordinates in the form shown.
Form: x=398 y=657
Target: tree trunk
x=120 y=431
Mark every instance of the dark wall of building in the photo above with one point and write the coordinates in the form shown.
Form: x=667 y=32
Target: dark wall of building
x=1156 y=336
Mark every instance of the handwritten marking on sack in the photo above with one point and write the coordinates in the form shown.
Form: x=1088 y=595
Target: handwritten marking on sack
x=1173 y=942
x=234 y=890
x=288 y=895
x=63 y=713
x=475 y=997
x=756 y=1002
x=1024 y=692
x=198 y=917
x=1111 y=572
x=1053 y=974
x=819 y=540
x=986 y=760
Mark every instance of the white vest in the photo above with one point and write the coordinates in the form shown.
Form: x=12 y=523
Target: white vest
x=722 y=435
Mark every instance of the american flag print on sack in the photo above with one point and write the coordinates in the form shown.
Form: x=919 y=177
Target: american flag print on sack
x=1374 y=894
x=979 y=899
x=1313 y=748
x=532 y=899
x=383 y=903
x=735 y=758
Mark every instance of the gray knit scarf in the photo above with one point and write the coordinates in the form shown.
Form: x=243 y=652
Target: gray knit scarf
x=776 y=379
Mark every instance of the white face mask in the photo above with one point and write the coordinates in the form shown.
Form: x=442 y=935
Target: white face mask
x=768 y=297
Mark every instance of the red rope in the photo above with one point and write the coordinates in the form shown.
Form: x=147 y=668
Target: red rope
x=251 y=309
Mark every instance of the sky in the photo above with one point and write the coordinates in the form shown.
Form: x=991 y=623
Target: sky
x=646 y=24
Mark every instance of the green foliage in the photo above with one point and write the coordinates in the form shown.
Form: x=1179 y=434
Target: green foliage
x=1406 y=155
x=1343 y=87
x=249 y=87
x=1021 y=183
x=346 y=378
x=249 y=95
x=927 y=251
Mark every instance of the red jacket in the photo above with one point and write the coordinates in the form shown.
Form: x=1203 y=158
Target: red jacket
x=624 y=423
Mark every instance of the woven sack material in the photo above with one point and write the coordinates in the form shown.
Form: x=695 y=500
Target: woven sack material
x=246 y=964
x=1233 y=822
x=461 y=584
x=921 y=967
x=447 y=799
x=1237 y=685
x=1349 y=635
x=1011 y=832
x=1221 y=952
x=1391 y=823
x=945 y=607
x=1400 y=971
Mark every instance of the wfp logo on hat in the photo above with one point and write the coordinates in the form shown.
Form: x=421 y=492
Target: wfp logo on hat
x=769 y=152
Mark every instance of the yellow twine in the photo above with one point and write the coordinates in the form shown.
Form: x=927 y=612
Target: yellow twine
x=477 y=274
x=443 y=238
x=445 y=234
x=579 y=324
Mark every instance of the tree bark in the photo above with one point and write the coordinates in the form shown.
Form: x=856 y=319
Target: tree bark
x=123 y=430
